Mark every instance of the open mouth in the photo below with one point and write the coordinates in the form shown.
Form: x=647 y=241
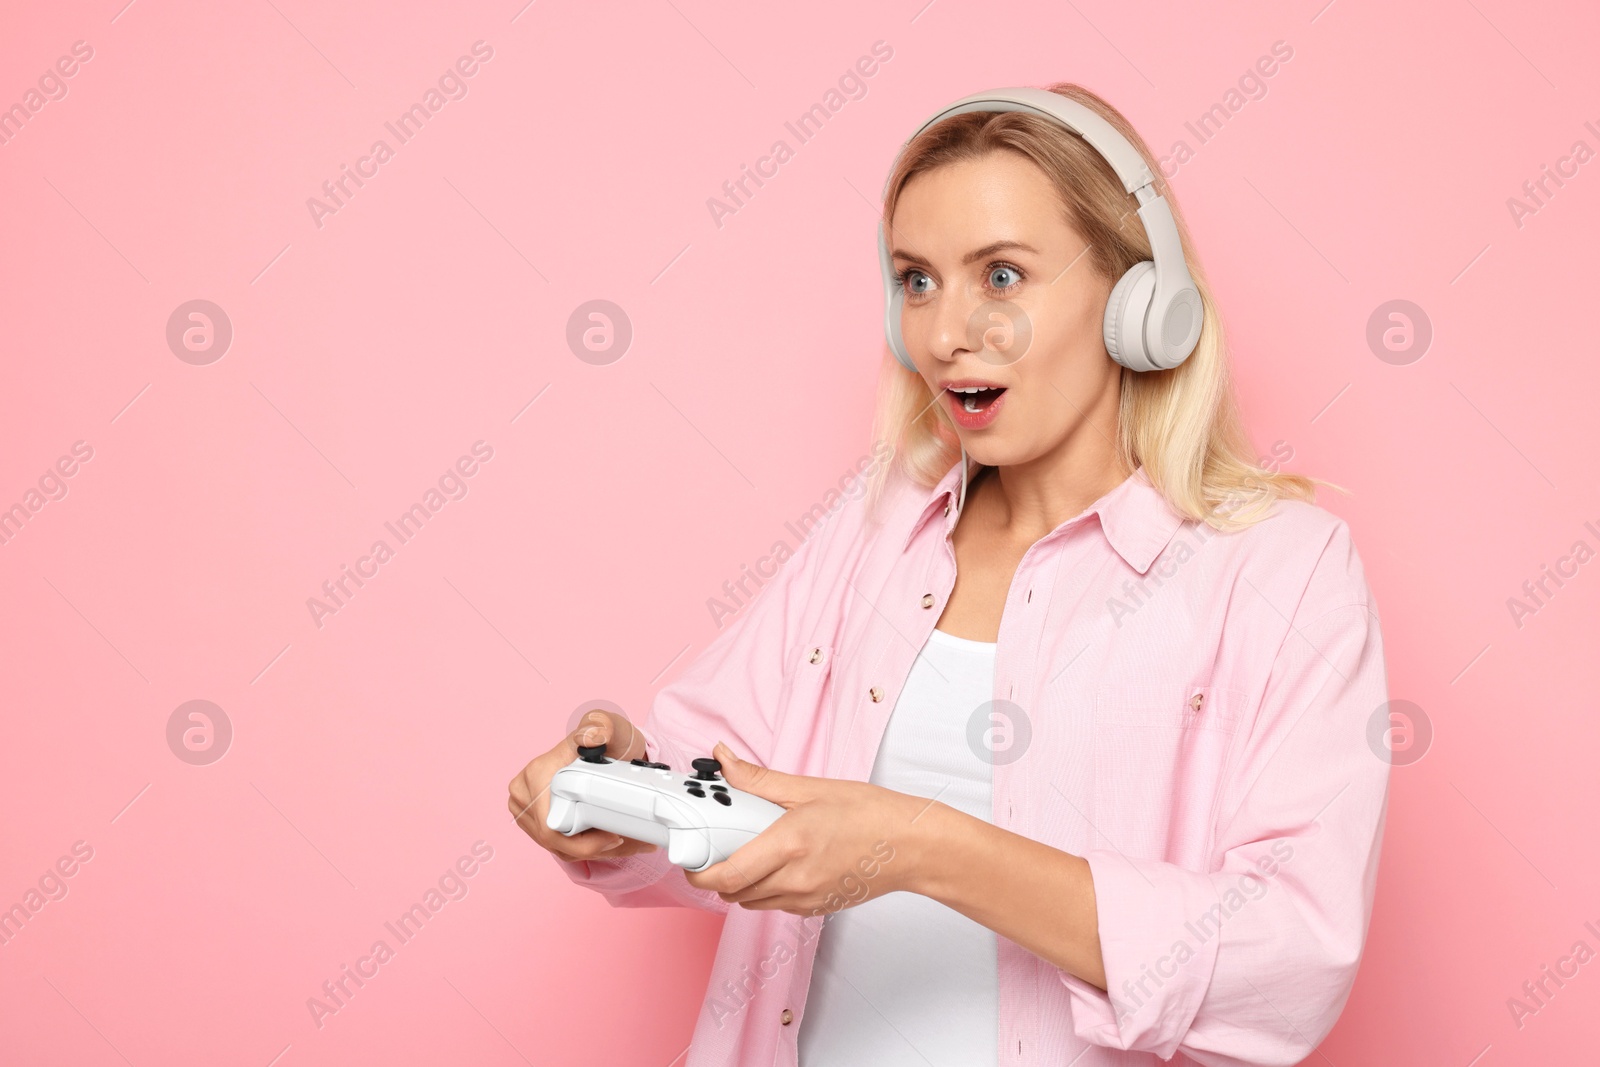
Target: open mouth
x=976 y=399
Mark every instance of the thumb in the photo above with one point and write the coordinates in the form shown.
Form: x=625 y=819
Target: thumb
x=763 y=782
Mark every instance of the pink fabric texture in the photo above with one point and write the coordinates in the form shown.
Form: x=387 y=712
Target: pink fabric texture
x=1187 y=709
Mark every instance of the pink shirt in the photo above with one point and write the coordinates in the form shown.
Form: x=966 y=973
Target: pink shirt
x=1193 y=712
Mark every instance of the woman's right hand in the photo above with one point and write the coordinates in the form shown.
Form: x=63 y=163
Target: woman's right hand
x=530 y=789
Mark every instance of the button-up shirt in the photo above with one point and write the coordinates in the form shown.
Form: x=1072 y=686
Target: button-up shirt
x=1199 y=714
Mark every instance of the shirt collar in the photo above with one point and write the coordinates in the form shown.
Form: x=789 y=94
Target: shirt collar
x=1135 y=518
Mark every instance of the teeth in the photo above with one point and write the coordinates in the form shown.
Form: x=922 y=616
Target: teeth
x=969 y=395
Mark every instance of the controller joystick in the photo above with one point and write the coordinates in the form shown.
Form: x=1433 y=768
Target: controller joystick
x=592 y=753
x=706 y=769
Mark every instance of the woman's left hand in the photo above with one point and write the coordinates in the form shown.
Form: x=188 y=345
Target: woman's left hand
x=838 y=843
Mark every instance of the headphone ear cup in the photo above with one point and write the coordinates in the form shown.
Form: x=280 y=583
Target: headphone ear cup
x=897 y=344
x=893 y=297
x=1126 y=308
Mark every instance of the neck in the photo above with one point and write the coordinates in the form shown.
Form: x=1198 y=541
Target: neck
x=1032 y=498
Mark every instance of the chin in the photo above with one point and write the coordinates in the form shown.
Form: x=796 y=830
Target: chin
x=991 y=453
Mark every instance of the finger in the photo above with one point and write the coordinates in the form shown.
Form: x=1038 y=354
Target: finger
x=764 y=782
x=532 y=823
x=593 y=729
x=626 y=741
x=776 y=902
x=521 y=784
x=755 y=895
x=627 y=848
x=750 y=863
x=616 y=732
x=522 y=801
x=601 y=844
x=767 y=895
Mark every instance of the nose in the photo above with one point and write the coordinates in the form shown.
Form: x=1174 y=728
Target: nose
x=952 y=321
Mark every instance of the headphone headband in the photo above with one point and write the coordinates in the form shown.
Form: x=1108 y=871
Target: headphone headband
x=1154 y=314
x=1103 y=137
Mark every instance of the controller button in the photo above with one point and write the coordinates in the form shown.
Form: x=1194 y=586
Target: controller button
x=641 y=763
x=592 y=753
x=722 y=798
x=697 y=792
x=719 y=789
x=706 y=769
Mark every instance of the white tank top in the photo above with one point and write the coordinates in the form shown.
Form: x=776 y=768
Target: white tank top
x=901 y=979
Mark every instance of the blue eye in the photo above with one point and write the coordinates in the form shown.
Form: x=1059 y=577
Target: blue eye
x=1000 y=272
x=904 y=277
x=1000 y=278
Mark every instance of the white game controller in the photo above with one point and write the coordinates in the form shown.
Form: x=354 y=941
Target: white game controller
x=697 y=817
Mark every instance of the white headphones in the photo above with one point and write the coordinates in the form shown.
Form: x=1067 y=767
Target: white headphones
x=1154 y=314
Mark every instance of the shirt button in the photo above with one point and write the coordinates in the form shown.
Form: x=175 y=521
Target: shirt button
x=1196 y=700
x=816 y=655
x=947 y=509
x=787 y=1017
x=876 y=692
x=927 y=600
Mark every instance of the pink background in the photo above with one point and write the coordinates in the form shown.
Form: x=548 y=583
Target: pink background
x=369 y=754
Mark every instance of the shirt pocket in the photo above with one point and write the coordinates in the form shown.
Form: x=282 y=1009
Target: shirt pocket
x=1160 y=755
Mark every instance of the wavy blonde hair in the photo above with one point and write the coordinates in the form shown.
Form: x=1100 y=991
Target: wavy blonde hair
x=1181 y=425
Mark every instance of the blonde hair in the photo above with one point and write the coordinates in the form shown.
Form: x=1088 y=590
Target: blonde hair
x=1181 y=425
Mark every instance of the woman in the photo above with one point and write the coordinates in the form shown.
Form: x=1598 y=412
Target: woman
x=1070 y=713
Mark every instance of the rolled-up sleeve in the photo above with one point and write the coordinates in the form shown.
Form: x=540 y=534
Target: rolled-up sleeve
x=732 y=691
x=1251 y=963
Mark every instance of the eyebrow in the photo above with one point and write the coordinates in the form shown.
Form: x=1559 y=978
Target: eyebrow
x=970 y=257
